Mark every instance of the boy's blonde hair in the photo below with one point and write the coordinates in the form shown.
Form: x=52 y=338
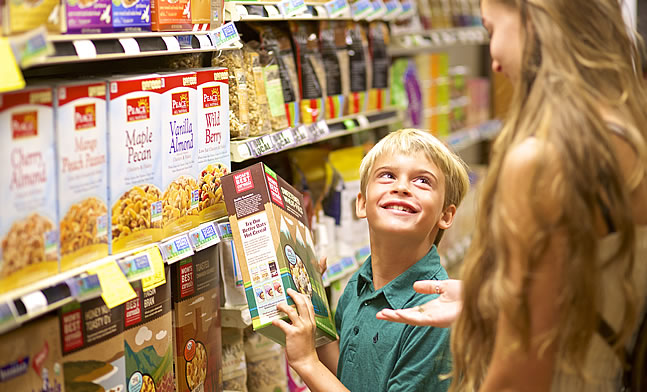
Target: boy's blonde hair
x=406 y=141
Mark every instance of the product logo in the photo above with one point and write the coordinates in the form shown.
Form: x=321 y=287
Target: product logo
x=39 y=359
x=211 y=97
x=133 y=311
x=72 y=332
x=84 y=117
x=274 y=190
x=14 y=369
x=180 y=103
x=138 y=109
x=243 y=181
x=24 y=124
x=186 y=280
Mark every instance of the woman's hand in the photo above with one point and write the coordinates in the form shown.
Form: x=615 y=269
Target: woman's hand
x=440 y=312
x=300 y=334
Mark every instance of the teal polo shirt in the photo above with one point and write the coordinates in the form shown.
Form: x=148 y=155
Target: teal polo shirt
x=377 y=355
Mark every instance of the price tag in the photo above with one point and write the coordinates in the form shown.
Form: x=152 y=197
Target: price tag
x=407 y=9
x=224 y=231
x=115 y=287
x=321 y=129
x=283 y=139
x=204 y=236
x=158 y=277
x=85 y=49
x=301 y=134
x=263 y=145
x=7 y=316
x=12 y=78
x=349 y=124
x=225 y=35
x=130 y=45
x=84 y=287
x=292 y=7
x=363 y=121
x=172 y=44
x=30 y=47
x=243 y=151
x=136 y=267
x=34 y=302
x=393 y=8
x=336 y=8
x=176 y=249
x=379 y=10
x=204 y=41
x=361 y=9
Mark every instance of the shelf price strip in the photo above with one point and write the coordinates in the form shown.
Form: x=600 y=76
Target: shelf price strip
x=136 y=267
x=301 y=134
x=176 y=249
x=336 y=8
x=361 y=9
x=291 y=8
x=283 y=139
x=203 y=236
x=261 y=146
x=84 y=287
x=8 y=316
x=225 y=36
x=319 y=129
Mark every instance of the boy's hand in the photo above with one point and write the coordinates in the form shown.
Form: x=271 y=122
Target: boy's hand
x=440 y=312
x=300 y=334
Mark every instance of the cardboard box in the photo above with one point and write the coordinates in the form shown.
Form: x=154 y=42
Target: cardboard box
x=30 y=357
x=170 y=15
x=93 y=346
x=148 y=339
x=81 y=140
x=275 y=248
x=19 y=16
x=196 y=321
x=135 y=162
x=131 y=15
x=28 y=219
x=212 y=137
x=86 y=16
x=181 y=194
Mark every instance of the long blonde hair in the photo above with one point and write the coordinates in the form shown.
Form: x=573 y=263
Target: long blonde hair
x=577 y=57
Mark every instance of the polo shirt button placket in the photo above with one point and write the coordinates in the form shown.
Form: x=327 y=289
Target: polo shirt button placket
x=356 y=330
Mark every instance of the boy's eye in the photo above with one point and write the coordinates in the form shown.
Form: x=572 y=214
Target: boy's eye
x=423 y=180
x=386 y=175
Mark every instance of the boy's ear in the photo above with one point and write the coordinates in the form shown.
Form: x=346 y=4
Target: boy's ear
x=447 y=218
x=360 y=206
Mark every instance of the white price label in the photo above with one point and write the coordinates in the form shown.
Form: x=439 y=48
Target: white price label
x=225 y=36
x=85 y=49
x=361 y=9
x=130 y=45
x=176 y=249
x=336 y=8
x=292 y=7
x=362 y=121
x=301 y=134
x=283 y=139
x=203 y=236
x=172 y=44
x=34 y=302
x=204 y=41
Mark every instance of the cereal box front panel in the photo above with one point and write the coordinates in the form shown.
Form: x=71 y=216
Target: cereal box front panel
x=212 y=137
x=28 y=223
x=180 y=198
x=135 y=163
x=131 y=15
x=171 y=15
x=88 y=16
x=81 y=135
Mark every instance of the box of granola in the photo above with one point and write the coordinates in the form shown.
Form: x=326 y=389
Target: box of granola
x=28 y=223
x=275 y=249
x=86 y=16
x=212 y=136
x=81 y=140
x=134 y=164
x=180 y=198
x=19 y=16
x=131 y=15
x=196 y=312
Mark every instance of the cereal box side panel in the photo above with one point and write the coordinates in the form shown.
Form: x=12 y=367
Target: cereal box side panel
x=88 y=16
x=131 y=15
x=30 y=357
x=213 y=153
x=81 y=135
x=134 y=168
x=28 y=228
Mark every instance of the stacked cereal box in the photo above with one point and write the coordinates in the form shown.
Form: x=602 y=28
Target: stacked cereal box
x=28 y=234
x=23 y=15
x=131 y=15
x=212 y=157
x=81 y=131
x=148 y=339
x=179 y=175
x=171 y=15
x=275 y=248
x=93 y=346
x=134 y=167
x=30 y=357
x=196 y=304
x=86 y=16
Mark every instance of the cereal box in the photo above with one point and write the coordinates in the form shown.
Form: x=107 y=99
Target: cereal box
x=148 y=339
x=171 y=15
x=134 y=165
x=212 y=136
x=30 y=357
x=24 y=15
x=275 y=249
x=131 y=15
x=87 y=16
x=81 y=140
x=28 y=231
x=196 y=305
x=201 y=12
x=93 y=346
x=180 y=200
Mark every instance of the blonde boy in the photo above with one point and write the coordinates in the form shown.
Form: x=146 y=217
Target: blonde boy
x=411 y=185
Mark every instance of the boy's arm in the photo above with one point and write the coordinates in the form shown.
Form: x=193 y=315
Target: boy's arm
x=300 y=345
x=329 y=355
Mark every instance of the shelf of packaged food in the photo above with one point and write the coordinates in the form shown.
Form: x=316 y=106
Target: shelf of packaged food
x=28 y=302
x=250 y=148
x=235 y=317
x=411 y=43
x=469 y=136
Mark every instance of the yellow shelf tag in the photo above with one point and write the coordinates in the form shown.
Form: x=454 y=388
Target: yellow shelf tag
x=115 y=286
x=11 y=76
x=158 y=277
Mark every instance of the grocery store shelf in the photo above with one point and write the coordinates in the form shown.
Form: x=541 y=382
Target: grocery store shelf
x=465 y=138
x=411 y=43
x=235 y=317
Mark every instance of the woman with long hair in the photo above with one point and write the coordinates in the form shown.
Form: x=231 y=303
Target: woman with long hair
x=561 y=239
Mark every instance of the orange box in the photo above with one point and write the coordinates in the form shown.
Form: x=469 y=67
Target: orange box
x=170 y=15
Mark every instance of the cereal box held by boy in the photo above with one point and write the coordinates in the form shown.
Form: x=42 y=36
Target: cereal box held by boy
x=275 y=248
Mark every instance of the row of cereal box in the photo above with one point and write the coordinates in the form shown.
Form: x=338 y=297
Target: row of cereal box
x=133 y=347
x=96 y=168
x=103 y=16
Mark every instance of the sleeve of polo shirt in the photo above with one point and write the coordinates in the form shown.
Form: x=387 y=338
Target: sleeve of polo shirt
x=425 y=357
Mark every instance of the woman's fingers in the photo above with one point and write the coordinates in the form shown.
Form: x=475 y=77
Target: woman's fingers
x=430 y=286
x=323 y=264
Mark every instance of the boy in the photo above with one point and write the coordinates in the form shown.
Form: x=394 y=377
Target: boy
x=411 y=185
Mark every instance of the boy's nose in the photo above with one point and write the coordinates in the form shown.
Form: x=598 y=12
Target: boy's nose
x=401 y=187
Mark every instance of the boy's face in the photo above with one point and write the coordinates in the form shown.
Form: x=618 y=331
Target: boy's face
x=405 y=195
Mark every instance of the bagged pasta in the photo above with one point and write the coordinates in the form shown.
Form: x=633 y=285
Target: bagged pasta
x=238 y=108
x=360 y=68
x=274 y=90
x=336 y=64
x=234 y=367
x=312 y=78
x=378 y=95
x=259 y=110
x=266 y=370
